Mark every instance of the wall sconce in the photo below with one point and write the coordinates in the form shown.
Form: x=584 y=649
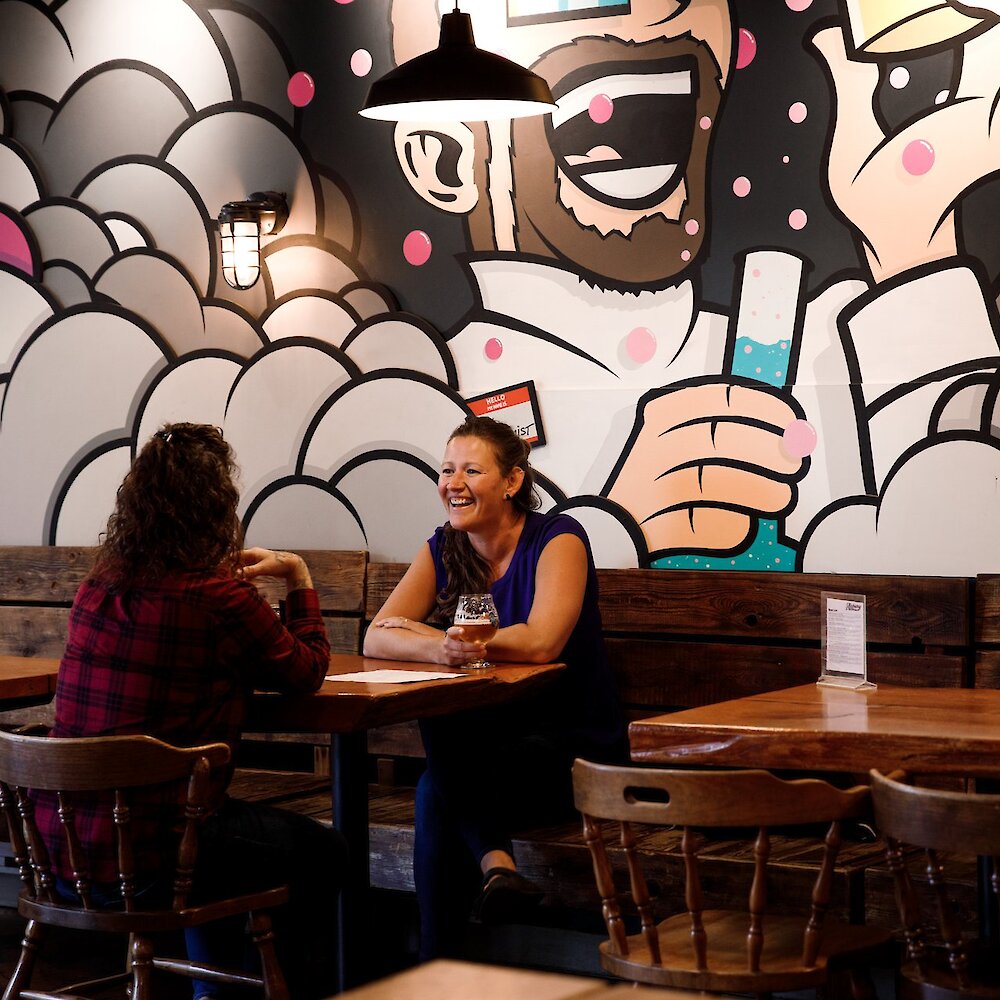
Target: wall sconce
x=241 y=225
x=457 y=82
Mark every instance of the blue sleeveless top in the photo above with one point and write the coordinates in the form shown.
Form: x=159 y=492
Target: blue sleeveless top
x=582 y=709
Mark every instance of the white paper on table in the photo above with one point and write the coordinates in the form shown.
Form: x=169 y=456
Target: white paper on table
x=390 y=676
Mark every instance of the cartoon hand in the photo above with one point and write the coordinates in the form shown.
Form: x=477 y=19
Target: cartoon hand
x=704 y=460
x=900 y=191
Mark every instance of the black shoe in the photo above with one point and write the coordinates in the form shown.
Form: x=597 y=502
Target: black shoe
x=506 y=897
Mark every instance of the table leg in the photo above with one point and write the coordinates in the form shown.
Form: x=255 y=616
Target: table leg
x=988 y=927
x=350 y=814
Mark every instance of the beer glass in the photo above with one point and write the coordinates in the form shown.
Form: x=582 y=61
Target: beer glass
x=477 y=615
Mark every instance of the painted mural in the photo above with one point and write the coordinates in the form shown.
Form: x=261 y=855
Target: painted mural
x=739 y=287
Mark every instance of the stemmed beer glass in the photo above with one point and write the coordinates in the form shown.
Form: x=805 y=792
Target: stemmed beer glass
x=477 y=615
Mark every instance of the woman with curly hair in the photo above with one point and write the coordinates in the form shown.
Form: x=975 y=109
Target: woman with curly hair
x=490 y=771
x=168 y=637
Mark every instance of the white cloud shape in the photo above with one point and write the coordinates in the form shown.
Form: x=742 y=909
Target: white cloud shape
x=939 y=515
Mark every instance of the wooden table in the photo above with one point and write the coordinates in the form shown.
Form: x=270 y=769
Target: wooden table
x=814 y=727
x=820 y=728
x=346 y=710
x=23 y=677
x=450 y=980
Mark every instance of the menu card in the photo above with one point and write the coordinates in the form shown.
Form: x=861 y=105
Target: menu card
x=844 y=656
x=390 y=676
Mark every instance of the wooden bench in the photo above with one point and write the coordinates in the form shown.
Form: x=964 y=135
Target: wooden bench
x=676 y=639
x=679 y=639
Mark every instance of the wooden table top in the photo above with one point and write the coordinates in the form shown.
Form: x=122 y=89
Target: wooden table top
x=813 y=727
x=451 y=980
x=27 y=677
x=348 y=706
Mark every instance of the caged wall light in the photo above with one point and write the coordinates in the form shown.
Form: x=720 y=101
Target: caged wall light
x=241 y=225
x=457 y=82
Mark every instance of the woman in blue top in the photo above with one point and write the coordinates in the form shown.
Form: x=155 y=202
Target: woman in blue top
x=492 y=770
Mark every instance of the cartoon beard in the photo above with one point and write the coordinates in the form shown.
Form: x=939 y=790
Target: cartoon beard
x=623 y=202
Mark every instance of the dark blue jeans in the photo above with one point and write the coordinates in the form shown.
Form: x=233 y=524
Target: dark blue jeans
x=486 y=776
x=247 y=847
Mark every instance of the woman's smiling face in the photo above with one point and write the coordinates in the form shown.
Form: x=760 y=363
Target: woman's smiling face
x=472 y=485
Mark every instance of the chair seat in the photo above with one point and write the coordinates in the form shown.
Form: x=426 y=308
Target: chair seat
x=147 y=921
x=726 y=931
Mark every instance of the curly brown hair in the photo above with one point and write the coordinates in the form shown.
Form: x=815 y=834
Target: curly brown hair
x=468 y=572
x=175 y=509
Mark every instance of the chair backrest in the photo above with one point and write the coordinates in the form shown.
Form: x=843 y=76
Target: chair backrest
x=941 y=824
x=122 y=767
x=697 y=800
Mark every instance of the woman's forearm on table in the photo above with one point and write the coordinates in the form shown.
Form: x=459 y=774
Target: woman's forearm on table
x=413 y=641
x=522 y=644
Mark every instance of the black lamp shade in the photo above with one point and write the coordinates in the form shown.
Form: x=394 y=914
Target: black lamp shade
x=457 y=82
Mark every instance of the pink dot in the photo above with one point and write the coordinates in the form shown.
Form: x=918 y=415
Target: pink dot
x=784 y=159
x=756 y=272
x=747 y=49
x=14 y=247
x=301 y=89
x=691 y=227
x=685 y=255
x=705 y=123
x=918 y=157
x=601 y=109
x=798 y=5
x=493 y=349
x=361 y=62
x=797 y=219
x=799 y=438
x=641 y=345
x=747 y=349
x=797 y=112
x=741 y=187
x=417 y=247
x=343 y=1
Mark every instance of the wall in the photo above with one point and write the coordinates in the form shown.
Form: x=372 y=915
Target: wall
x=741 y=286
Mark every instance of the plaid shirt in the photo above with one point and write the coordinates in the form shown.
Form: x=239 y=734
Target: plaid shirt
x=177 y=662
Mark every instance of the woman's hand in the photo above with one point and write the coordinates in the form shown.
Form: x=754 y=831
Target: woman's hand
x=285 y=566
x=457 y=651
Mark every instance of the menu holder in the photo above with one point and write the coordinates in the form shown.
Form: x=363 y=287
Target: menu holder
x=844 y=652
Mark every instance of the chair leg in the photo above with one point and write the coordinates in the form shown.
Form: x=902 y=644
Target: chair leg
x=21 y=977
x=142 y=967
x=275 y=987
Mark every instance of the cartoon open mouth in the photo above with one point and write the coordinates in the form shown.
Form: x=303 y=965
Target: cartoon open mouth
x=636 y=158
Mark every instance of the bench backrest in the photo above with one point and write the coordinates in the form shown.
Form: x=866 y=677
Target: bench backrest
x=683 y=638
x=37 y=585
x=987 y=631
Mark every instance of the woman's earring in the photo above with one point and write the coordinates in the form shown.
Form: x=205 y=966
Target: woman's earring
x=506 y=496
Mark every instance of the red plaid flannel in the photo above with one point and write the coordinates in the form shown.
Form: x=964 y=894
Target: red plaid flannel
x=178 y=662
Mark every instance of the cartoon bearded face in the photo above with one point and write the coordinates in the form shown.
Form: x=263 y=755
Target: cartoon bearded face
x=613 y=183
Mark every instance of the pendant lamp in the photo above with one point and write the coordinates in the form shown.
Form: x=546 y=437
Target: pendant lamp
x=890 y=27
x=457 y=82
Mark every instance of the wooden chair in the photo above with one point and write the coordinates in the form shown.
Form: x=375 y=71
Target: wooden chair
x=940 y=961
x=122 y=765
x=747 y=950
